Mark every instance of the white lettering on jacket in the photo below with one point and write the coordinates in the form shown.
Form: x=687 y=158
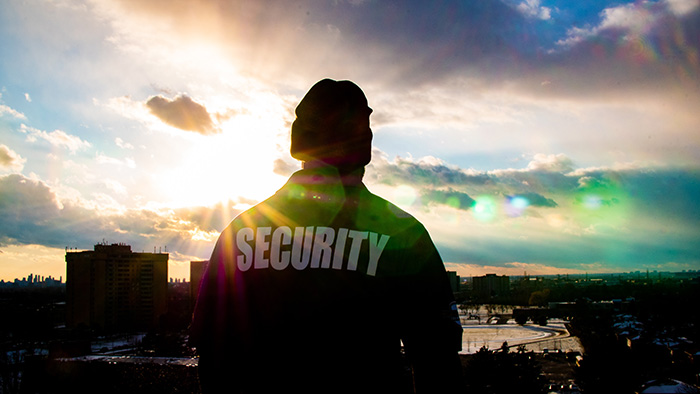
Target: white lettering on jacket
x=307 y=247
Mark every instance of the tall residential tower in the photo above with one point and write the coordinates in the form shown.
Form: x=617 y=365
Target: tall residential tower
x=115 y=289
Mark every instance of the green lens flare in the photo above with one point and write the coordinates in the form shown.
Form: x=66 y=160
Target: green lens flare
x=484 y=208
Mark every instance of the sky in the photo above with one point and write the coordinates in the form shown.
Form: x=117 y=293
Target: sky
x=529 y=136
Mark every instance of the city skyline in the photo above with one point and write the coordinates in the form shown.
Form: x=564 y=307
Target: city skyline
x=527 y=135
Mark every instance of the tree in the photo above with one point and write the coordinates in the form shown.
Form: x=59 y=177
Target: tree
x=491 y=372
x=539 y=298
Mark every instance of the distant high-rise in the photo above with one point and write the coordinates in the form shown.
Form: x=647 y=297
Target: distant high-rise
x=115 y=289
x=491 y=285
x=454 y=281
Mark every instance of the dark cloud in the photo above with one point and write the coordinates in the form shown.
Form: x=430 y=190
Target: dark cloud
x=659 y=193
x=541 y=177
x=421 y=173
x=666 y=195
x=30 y=213
x=26 y=205
x=535 y=200
x=615 y=219
x=429 y=40
x=452 y=198
x=402 y=46
x=183 y=113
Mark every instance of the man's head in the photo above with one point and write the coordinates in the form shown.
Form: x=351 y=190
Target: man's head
x=332 y=126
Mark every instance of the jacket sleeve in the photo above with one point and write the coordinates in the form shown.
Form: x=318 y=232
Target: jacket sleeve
x=432 y=337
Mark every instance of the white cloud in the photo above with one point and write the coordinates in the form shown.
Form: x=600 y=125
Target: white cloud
x=115 y=186
x=632 y=17
x=124 y=145
x=126 y=107
x=533 y=9
x=101 y=158
x=58 y=138
x=4 y=109
x=27 y=97
x=682 y=7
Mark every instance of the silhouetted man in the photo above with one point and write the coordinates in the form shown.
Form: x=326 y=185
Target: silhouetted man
x=315 y=288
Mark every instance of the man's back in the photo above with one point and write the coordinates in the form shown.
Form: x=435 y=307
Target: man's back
x=322 y=281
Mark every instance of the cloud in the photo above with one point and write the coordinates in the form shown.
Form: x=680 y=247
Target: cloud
x=533 y=9
x=182 y=113
x=551 y=163
x=10 y=160
x=425 y=171
x=682 y=7
x=31 y=213
x=124 y=145
x=25 y=206
x=4 y=109
x=450 y=198
x=284 y=168
x=101 y=158
x=647 y=47
x=532 y=199
x=549 y=212
x=57 y=138
x=480 y=47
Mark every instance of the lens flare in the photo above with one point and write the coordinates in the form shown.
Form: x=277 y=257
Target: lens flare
x=592 y=201
x=484 y=208
x=514 y=206
x=602 y=201
x=405 y=195
x=453 y=202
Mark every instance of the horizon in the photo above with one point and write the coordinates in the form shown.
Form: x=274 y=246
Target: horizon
x=526 y=135
x=464 y=278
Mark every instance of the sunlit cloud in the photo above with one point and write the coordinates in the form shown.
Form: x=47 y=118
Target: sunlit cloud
x=552 y=163
x=10 y=160
x=182 y=112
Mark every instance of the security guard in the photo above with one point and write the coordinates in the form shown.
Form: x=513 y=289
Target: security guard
x=316 y=288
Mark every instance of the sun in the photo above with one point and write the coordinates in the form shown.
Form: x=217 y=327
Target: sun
x=236 y=164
